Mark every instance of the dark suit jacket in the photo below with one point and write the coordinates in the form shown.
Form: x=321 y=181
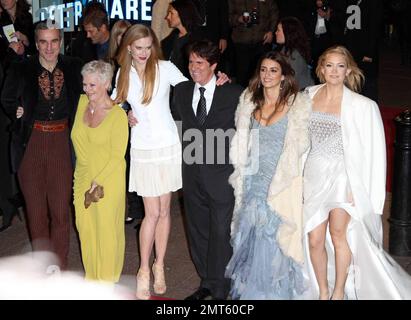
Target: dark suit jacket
x=220 y=116
x=175 y=49
x=335 y=26
x=21 y=89
x=82 y=48
x=216 y=12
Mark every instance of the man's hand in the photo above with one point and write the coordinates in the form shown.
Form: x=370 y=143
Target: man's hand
x=366 y=59
x=19 y=112
x=222 y=45
x=132 y=121
x=241 y=19
x=22 y=37
x=268 y=37
x=222 y=78
x=324 y=14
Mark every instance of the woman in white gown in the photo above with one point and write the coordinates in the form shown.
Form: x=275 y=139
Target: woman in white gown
x=344 y=189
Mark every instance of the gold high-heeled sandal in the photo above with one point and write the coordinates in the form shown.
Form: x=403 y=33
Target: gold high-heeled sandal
x=159 y=279
x=143 y=285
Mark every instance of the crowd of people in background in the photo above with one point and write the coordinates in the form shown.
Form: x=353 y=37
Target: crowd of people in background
x=296 y=191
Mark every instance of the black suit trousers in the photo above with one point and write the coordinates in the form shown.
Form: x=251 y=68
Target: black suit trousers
x=209 y=204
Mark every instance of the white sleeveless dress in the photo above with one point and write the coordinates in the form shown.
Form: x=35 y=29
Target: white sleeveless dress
x=373 y=274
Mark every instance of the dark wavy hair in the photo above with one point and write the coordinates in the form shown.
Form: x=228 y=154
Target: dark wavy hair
x=295 y=37
x=189 y=16
x=289 y=86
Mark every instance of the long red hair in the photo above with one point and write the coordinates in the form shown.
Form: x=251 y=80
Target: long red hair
x=137 y=32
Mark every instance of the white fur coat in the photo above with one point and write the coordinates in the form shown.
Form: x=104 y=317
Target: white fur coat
x=285 y=194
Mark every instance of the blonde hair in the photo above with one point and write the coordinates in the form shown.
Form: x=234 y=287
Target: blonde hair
x=137 y=32
x=118 y=29
x=355 y=79
x=102 y=69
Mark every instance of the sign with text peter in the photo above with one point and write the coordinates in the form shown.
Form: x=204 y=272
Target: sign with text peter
x=66 y=14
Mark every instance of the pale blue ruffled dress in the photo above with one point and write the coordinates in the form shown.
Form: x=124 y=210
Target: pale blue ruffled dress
x=258 y=268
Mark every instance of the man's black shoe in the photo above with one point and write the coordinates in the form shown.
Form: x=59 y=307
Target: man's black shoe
x=200 y=294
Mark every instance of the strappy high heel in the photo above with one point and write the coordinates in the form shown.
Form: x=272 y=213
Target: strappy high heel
x=143 y=285
x=159 y=286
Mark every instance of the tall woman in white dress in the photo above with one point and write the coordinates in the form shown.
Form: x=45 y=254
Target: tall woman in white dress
x=155 y=170
x=344 y=189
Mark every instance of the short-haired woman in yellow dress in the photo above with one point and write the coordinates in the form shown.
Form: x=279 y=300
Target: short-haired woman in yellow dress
x=100 y=136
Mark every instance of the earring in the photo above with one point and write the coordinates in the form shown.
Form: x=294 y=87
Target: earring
x=282 y=84
x=259 y=84
x=129 y=51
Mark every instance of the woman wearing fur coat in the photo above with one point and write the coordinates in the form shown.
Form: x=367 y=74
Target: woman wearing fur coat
x=267 y=153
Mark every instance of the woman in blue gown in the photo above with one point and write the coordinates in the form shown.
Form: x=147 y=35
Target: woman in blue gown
x=267 y=153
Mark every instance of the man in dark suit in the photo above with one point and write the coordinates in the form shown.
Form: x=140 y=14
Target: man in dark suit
x=215 y=26
x=325 y=21
x=40 y=95
x=207 y=115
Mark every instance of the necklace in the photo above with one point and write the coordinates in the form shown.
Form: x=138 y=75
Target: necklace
x=92 y=110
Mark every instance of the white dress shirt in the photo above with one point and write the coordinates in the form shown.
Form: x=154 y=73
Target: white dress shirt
x=156 y=127
x=208 y=94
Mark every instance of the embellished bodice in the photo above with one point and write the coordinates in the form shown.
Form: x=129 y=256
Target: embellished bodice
x=325 y=135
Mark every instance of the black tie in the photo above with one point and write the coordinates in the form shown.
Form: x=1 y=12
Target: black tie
x=201 y=107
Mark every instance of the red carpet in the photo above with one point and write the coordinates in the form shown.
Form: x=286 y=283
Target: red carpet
x=388 y=114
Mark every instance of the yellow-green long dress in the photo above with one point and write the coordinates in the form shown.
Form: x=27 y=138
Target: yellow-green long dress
x=100 y=157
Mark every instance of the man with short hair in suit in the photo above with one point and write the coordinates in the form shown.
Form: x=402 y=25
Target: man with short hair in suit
x=207 y=115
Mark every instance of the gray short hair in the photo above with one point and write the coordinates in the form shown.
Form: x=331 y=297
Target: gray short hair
x=102 y=69
x=46 y=25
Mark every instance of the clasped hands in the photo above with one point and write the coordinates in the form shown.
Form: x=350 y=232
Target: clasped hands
x=94 y=194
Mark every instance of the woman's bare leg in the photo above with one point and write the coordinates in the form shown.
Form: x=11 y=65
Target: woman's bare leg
x=339 y=220
x=318 y=256
x=147 y=230
x=163 y=228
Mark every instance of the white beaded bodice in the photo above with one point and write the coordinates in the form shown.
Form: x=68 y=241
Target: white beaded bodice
x=325 y=135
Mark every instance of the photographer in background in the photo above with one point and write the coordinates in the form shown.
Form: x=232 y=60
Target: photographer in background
x=253 y=23
x=325 y=26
